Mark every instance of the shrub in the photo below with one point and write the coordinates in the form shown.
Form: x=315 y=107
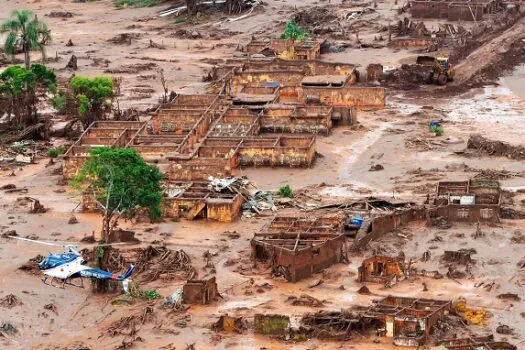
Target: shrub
x=285 y=191
x=293 y=31
x=55 y=151
x=437 y=129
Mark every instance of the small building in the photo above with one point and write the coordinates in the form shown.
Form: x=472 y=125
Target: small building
x=381 y=269
x=409 y=321
x=469 y=201
x=200 y=291
x=297 y=256
x=196 y=199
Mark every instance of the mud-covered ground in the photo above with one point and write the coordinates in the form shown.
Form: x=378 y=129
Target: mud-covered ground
x=396 y=137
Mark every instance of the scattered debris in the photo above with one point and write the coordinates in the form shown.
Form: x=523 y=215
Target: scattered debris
x=509 y=297
x=227 y=323
x=10 y=301
x=72 y=63
x=504 y=329
x=124 y=38
x=376 y=167
x=72 y=220
x=305 y=300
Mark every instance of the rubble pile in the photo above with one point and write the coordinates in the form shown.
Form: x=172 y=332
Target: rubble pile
x=159 y=262
x=132 y=323
x=495 y=148
x=336 y=325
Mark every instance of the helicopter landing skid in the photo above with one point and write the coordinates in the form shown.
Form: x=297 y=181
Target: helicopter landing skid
x=63 y=284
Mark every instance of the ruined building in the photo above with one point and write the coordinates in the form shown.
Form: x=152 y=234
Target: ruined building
x=408 y=321
x=296 y=248
x=381 y=269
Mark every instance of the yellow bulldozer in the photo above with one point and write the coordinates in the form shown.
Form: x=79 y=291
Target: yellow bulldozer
x=441 y=70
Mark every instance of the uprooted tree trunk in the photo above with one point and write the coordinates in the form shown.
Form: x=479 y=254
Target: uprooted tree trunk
x=191 y=6
x=234 y=6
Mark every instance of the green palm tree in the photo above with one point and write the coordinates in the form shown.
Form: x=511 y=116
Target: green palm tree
x=27 y=32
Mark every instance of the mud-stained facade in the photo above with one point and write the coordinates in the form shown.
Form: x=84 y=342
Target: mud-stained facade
x=287 y=48
x=468 y=201
x=381 y=269
x=475 y=343
x=297 y=256
x=409 y=321
x=195 y=199
x=200 y=291
x=452 y=10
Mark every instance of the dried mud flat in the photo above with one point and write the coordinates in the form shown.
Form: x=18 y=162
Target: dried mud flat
x=397 y=138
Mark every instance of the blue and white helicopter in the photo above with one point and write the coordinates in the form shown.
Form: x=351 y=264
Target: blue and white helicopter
x=70 y=265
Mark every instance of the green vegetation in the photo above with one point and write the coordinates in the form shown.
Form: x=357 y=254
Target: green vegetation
x=93 y=96
x=436 y=129
x=134 y=291
x=21 y=88
x=56 y=151
x=120 y=4
x=26 y=32
x=285 y=191
x=59 y=101
x=293 y=31
x=122 y=183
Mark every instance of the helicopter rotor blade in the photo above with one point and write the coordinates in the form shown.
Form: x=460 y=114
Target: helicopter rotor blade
x=36 y=241
x=106 y=244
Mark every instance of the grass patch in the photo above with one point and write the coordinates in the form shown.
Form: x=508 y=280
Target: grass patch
x=120 y=4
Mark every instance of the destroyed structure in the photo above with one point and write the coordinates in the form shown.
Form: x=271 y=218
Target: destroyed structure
x=381 y=269
x=200 y=291
x=477 y=343
x=296 y=248
x=196 y=136
x=469 y=201
x=408 y=321
x=456 y=10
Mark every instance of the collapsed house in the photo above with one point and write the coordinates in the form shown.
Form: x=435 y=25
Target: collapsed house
x=296 y=248
x=476 y=343
x=456 y=10
x=381 y=269
x=202 y=199
x=337 y=325
x=408 y=321
x=285 y=48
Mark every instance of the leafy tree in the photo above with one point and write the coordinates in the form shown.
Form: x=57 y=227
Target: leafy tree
x=22 y=88
x=25 y=31
x=122 y=183
x=93 y=96
x=293 y=31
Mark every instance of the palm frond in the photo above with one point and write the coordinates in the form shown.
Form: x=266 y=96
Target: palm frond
x=11 y=43
x=10 y=25
x=22 y=16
